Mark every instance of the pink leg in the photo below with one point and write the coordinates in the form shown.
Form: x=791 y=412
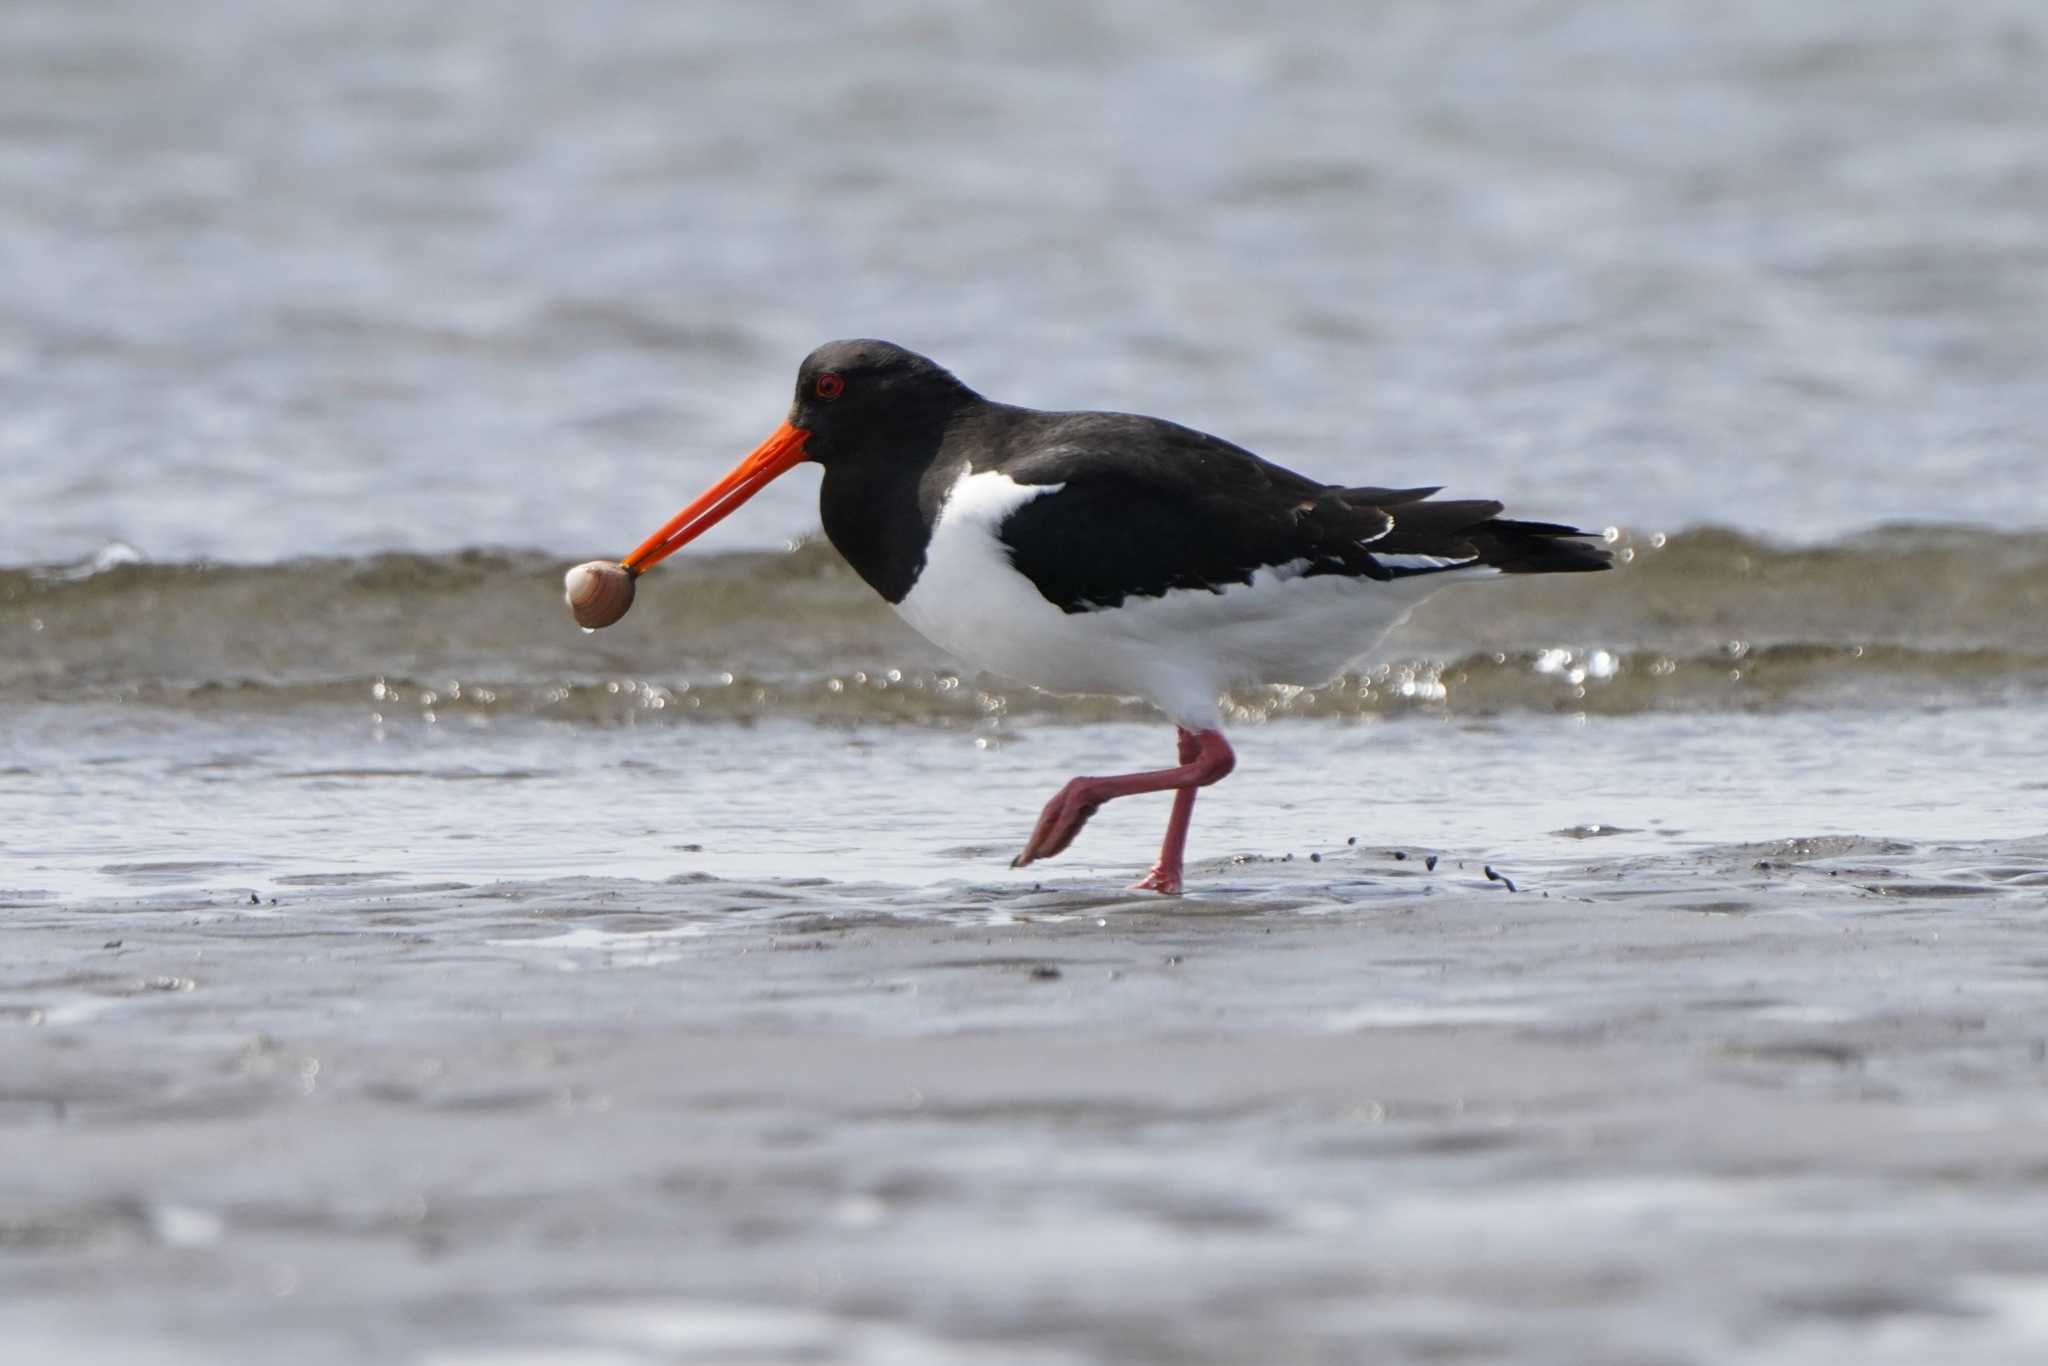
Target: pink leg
x=1165 y=875
x=1205 y=757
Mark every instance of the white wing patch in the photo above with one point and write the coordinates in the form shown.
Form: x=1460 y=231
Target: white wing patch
x=1419 y=561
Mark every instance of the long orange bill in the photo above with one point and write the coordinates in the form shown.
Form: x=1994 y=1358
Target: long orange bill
x=780 y=453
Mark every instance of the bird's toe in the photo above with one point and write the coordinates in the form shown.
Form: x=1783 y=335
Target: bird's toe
x=1164 y=881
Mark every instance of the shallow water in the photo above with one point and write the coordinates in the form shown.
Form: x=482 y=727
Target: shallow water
x=131 y=799
x=1643 y=968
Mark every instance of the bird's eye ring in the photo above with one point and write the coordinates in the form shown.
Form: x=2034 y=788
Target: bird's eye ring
x=829 y=385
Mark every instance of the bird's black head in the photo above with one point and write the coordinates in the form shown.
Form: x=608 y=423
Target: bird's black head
x=863 y=396
x=859 y=404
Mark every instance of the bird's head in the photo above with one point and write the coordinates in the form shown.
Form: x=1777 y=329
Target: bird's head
x=855 y=400
x=852 y=395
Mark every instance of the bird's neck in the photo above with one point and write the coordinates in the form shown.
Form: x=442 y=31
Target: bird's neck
x=879 y=512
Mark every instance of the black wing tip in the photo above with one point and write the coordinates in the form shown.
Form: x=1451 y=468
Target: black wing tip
x=1472 y=529
x=1541 y=548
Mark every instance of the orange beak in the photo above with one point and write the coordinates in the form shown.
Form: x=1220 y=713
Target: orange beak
x=782 y=452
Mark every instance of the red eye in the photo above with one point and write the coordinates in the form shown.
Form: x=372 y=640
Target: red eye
x=829 y=385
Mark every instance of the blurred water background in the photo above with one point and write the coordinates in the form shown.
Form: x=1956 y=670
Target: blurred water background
x=312 y=278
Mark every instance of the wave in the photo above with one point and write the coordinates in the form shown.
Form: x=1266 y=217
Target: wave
x=1702 y=620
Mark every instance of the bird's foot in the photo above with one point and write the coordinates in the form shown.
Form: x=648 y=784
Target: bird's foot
x=1162 y=879
x=1061 y=820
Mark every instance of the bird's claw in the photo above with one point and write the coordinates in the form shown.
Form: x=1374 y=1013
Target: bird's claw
x=1165 y=881
x=1059 y=823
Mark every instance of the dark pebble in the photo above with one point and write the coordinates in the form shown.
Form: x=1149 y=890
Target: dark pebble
x=1430 y=863
x=1045 y=972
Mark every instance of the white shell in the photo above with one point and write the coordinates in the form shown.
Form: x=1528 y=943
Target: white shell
x=598 y=593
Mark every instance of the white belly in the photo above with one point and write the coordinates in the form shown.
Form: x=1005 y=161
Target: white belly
x=1179 y=651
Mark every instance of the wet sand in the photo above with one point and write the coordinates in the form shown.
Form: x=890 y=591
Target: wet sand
x=1759 y=1103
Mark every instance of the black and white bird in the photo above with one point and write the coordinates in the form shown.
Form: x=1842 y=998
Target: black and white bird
x=1086 y=552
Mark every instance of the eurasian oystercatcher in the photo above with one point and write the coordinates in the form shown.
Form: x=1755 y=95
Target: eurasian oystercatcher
x=1110 y=553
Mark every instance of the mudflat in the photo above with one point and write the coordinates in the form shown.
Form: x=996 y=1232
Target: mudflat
x=1777 y=1101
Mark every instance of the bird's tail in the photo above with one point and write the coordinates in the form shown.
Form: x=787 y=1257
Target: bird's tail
x=1460 y=531
x=1538 y=547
